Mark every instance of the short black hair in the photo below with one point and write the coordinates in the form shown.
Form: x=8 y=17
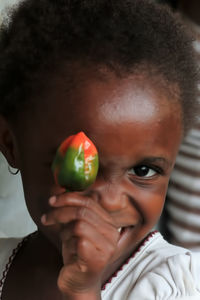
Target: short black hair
x=118 y=34
x=172 y=3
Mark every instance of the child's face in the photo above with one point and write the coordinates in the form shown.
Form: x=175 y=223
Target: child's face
x=137 y=132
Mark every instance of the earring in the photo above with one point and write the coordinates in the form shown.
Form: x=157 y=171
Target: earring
x=11 y=172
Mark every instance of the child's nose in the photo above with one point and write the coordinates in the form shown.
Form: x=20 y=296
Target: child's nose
x=111 y=196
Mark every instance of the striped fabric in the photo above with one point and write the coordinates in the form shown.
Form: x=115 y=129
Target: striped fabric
x=183 y=198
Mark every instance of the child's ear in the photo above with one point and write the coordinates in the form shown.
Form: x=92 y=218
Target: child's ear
x=7 y=143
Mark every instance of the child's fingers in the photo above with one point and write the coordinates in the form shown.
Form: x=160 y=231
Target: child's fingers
x=88 y=246
x=95 y=258
x=78 y=216
x=65 y=215
x=76 y=199
x=82 y=203
x=85 y=230
x=94 y=251
x=65 y=199
x=84 y=270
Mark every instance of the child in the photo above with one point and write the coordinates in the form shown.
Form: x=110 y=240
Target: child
x=106 y=68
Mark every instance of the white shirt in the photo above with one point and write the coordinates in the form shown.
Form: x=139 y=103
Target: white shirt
x=157 y=271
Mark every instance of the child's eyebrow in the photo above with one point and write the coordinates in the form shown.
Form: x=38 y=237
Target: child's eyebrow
x=161 y=160
x=151 y=159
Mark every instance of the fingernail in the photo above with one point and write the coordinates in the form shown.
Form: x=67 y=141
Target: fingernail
x=43 y=219
x=52 y=200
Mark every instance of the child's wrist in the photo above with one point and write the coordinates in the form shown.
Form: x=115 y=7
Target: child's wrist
x=83 y=296
x=92 y=293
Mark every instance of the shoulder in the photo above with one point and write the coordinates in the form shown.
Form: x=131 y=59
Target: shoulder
x=8 y=249
x=7 y=246
x=159 y=270
x=175 y=277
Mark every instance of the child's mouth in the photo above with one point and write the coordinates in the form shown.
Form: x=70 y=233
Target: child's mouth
x=126 y=233
x=122 y=230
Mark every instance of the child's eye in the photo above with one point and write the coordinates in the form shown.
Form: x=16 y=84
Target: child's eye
x=143 y=171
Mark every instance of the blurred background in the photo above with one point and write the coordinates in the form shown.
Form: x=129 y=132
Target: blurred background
x=180 y=222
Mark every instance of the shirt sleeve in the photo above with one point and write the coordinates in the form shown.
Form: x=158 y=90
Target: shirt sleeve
x=176 y=278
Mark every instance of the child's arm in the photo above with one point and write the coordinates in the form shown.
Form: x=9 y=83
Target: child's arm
x=85 y=296
x=89 y=238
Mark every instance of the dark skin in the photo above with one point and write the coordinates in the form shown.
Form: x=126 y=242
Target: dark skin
x=137 y=132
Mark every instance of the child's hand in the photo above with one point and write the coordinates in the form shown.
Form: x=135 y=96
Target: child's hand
x=89 y=238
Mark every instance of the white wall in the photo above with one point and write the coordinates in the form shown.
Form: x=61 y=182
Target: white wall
x=4 y=3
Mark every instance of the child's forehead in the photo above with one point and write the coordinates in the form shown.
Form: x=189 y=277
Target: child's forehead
x=93 y=98
x=119 y=98
x=118 y=112
x=96 y=87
